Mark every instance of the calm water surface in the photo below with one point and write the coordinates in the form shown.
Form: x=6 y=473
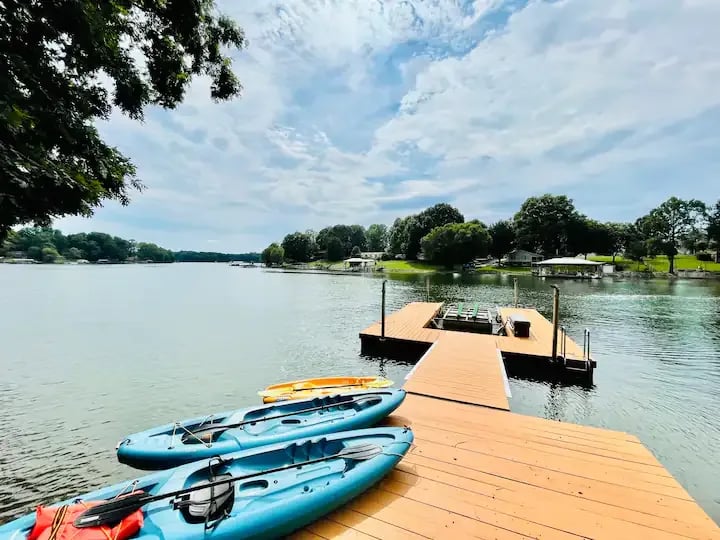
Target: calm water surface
x=91 y=353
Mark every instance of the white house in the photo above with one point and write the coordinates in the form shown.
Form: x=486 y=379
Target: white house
x=522 y=257
x=372 y=255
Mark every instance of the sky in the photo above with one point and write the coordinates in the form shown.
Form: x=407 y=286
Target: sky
x=360 y=111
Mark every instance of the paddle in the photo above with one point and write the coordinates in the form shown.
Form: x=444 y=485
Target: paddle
x=339 y=385
x=113 y=511
x=299 y=388
x=210 y=431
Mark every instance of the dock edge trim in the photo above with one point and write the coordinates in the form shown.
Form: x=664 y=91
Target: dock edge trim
x=506 y=382
x=410 y=374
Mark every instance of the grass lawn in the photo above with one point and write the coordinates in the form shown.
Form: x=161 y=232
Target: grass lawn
x=627 y=263
x=661 y=264
x=409 y=266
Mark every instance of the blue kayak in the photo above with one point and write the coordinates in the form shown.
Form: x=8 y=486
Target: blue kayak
x=312 y=481
x=200 y=438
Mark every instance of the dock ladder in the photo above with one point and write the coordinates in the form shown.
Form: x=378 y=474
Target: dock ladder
x=576 y=365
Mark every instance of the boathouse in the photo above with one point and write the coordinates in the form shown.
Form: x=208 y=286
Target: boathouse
x=568 y=267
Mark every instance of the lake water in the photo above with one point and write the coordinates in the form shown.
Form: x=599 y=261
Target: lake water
x=91 y=353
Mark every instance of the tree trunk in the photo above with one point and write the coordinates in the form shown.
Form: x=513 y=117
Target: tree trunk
x=717 y=254
x=671 y=258
x=613 y=260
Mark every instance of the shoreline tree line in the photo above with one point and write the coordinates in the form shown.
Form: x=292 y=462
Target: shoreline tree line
x=48 y=245
x=548 y=224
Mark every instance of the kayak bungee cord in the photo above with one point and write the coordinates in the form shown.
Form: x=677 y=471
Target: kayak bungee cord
x=211 y=430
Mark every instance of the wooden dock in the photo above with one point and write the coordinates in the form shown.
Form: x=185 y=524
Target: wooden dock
x=477 y=470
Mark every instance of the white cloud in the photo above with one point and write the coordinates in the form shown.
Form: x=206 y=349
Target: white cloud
x=353 y=106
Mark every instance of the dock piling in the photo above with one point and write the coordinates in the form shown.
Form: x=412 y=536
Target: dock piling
x=555 y=320
x=515 y=291
x=382 y=326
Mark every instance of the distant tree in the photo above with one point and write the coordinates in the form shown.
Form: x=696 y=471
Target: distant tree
x=44 y=243
x=52 y=57
x=713 y=229
x=621 y=234
x=73 y=254
x=147 y=251
x=298 y=247
x=668 y=225
x=358 y=237
x=33 y=237
x=355 y=252
x=419 y=226
x=398 y=236
x=322 y=237
x=212 y=256
x=34 y=252
x=503 y=238
x=636 y=251
x=692 y=240
x=272 y=255
x=349 y=236
x=8 y=244
x=439 y=215
x=702 y=245
x=335 y=249
x=312 y=235
x=456 y=243
x=377 y=237
x=545 y=224
x=50 y=254
x=590 y=236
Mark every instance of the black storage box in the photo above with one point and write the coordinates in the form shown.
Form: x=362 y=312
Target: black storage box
x=519 y=325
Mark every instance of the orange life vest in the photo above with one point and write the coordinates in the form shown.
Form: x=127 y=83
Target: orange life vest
x=56 y=523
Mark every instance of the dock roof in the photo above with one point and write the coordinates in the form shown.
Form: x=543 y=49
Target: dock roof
x=568 y=261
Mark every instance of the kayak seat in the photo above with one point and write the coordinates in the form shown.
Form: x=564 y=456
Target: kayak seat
x=208 y=504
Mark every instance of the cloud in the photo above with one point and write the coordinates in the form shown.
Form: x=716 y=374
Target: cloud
x=362 y=110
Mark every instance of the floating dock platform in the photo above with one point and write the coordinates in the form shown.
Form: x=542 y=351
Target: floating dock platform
x=477 y=470
x=411 y=331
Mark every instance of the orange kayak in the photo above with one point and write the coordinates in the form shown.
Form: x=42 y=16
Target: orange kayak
x=309 y=388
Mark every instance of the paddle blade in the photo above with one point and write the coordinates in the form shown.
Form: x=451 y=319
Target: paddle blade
x=111 y=512
x=360 y=452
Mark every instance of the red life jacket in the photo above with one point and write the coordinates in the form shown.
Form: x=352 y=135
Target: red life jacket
x=56 y=523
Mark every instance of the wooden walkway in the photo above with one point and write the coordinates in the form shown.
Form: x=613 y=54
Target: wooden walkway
x=477 y=470
x=462 y=367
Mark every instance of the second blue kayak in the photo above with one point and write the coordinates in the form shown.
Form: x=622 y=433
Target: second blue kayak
x=256 y=494
x=199 y=438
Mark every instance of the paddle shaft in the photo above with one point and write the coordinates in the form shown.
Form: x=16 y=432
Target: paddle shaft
x=132 y=505
x=329 y=386
x=210 y=427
